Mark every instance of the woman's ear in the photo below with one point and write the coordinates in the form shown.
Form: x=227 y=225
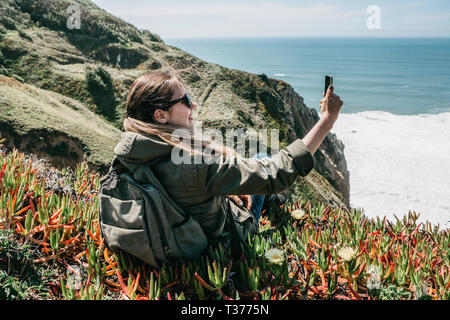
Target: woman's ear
x=160 y=116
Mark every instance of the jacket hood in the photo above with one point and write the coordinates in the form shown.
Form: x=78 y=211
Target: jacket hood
x=135 y=149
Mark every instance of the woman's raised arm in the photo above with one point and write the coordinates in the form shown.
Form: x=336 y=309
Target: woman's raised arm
x=256 y=176
x=274 y=174
x=330 y=106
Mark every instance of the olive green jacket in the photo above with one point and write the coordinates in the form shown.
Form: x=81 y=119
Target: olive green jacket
x=201 y=188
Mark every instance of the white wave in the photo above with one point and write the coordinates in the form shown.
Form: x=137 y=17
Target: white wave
x=398 y=163
x=279 y=74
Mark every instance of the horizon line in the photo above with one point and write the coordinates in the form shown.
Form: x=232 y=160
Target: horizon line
x=312 y=37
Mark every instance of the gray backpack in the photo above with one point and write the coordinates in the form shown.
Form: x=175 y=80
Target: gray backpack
x=144 y=221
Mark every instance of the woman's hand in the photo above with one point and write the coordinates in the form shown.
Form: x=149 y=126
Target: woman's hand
x=330 y=106
x=242 y=199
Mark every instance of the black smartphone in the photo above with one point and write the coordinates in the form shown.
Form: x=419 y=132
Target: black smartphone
x=328 y=82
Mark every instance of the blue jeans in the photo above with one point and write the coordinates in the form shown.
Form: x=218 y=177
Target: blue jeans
x=258 y=201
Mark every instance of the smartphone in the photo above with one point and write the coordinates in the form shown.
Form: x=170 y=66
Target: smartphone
x=328 y=82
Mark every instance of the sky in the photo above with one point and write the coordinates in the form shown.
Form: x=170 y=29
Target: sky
x=284 y=18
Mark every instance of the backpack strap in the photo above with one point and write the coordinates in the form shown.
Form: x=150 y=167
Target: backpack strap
x=235 y=238
x=118 y=167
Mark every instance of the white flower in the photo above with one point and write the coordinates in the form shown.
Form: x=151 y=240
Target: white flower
x=374 y=279
x=347 y=253
x=275 y=256
x=297 y=214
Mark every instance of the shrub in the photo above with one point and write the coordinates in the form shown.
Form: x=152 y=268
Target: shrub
x=8 y=23
x=96 y=23
x=4 y=71
x=24 y=35
x=101 y=88
x=152 y=36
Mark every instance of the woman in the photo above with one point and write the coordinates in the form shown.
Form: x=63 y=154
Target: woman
x=158 y=105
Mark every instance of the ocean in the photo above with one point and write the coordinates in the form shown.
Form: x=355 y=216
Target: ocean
x=395 y=122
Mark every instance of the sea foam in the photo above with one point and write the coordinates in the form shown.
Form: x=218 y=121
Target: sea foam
x=398 y=163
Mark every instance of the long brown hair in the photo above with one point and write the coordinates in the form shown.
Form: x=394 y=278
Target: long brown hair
x=153 y=91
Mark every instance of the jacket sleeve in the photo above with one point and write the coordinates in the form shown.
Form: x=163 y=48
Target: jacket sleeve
x=252 y=176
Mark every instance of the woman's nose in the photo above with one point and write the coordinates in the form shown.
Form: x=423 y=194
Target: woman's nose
x=194 y=105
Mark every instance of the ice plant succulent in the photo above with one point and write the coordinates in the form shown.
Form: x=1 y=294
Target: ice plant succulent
x=396 y=260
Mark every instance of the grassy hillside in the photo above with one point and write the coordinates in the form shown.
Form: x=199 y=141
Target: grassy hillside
x=72 y=132
x=92 y=69
x=49 y=219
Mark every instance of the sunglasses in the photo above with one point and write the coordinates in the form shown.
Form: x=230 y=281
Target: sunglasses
x=185 y=99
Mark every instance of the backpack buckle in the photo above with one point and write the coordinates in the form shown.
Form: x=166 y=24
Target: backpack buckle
x=112 y=182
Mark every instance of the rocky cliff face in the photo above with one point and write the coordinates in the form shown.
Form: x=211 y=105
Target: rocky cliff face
x=330 y=156
x=104 y=56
